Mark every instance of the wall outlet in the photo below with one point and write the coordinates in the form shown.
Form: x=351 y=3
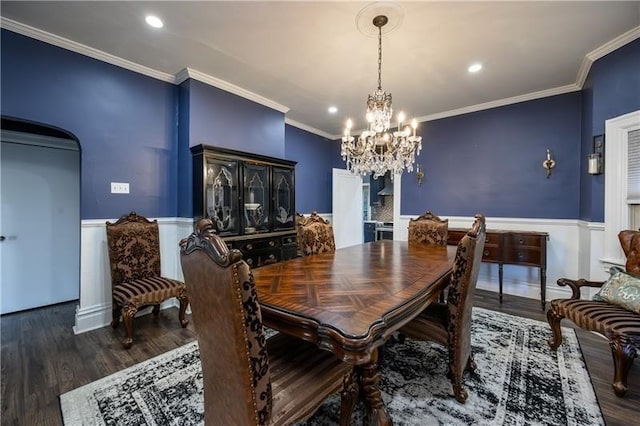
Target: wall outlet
x=119 y=187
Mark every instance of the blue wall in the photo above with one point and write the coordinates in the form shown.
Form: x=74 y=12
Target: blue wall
x=125 y=123
x=214 y=117
x=611 y=89
x=136 y=129
x=491 y=162
x=314 y=155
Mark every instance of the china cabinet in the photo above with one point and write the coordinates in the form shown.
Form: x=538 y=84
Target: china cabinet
x=251 y=200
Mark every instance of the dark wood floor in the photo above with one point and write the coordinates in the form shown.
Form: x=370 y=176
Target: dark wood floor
x=42 y=358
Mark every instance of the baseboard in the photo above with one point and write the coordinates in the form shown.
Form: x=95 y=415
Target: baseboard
x=99 y=316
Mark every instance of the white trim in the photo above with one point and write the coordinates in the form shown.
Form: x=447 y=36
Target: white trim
x=25 y=138
x=502 y=102
x=82 y=49
x=228 y=87
x=310 y=129
x=603 y=50
x=186 y=73
x=616 y=210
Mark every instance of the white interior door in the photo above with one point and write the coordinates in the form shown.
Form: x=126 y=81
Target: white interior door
x=348 y=226
x=40 y=223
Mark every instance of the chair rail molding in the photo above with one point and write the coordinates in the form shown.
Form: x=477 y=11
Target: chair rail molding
x=616 y=210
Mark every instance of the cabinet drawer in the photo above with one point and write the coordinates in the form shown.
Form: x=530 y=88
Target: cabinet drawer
x=253 y=245
x=289 y=240
x=519 y=240
x=491 y=253
x=261 y=258
x=523 y=255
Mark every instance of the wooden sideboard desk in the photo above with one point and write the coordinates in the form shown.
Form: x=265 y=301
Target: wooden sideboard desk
x=526 y=248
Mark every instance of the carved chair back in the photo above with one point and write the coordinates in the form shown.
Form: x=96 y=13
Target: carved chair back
x=134 y=248
x=231 y=337
x=429 y=229
x=316 y=236
x=463 y=282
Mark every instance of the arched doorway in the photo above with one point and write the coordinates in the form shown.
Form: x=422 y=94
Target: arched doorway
x=39 y=217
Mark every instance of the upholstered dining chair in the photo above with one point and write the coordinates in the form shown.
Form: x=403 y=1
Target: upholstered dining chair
x=316 y=236
x=249 y=379
x=299 y=221
x=429 y=229
x=449 y=324
x=609 y=313
x=134 y=257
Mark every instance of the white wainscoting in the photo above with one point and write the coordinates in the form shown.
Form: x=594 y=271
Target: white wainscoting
x=573 y=250
x=94 y=310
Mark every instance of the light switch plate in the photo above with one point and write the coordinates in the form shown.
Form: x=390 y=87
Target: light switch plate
x=119 y=187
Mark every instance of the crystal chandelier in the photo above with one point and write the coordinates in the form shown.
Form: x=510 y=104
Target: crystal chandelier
x=378 y=150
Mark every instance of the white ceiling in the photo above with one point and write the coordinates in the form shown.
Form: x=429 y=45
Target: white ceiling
x=309 y=55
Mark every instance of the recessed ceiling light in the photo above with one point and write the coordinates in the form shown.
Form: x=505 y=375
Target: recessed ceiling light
x=332 y=110
x=475 y=67
x=154 y=21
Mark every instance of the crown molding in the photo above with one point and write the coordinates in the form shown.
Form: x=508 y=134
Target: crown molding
x=73 y=46
x=502 y=102
x=309 y=129
x=187 y=73
x=603 y=50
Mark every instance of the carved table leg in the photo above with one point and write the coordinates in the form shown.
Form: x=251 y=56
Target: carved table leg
x=376 y=414
x=349 y=397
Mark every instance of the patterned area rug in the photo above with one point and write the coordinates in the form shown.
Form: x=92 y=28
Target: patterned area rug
x=519 y=381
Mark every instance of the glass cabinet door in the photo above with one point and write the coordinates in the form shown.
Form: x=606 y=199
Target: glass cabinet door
x=256 y=198
x=221 y=195
x=284 y=201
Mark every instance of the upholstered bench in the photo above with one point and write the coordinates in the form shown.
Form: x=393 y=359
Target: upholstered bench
x=619 y=325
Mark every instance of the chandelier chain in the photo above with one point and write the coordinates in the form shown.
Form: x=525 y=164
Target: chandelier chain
x=380 y=58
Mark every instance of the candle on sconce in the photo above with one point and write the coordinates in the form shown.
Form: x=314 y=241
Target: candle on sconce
x=594 y=164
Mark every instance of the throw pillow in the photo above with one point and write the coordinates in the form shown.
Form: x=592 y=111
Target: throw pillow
x=622 y=289
x=612 y=271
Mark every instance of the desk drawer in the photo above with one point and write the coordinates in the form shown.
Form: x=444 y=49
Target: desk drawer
x=523 y=255
x=491 y=253
x=519 y=240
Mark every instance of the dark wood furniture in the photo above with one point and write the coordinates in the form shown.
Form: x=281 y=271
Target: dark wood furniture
x=316 y=235
x=449 y=324
x=250 y=199
x=134 y=259
x=428 y=229
x=249 y=380
x=351 y=301
x=620 y=326
x=525 y=248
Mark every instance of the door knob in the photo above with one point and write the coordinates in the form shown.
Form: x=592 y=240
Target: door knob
x=2 y=238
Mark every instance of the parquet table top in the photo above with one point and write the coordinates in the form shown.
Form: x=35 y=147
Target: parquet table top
x=351 y=301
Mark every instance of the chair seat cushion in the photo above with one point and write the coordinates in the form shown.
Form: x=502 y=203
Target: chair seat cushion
x=602 y=317
x=147 y=291
x=298 y=367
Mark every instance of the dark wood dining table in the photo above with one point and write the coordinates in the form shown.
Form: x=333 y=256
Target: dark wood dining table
x=351 y=301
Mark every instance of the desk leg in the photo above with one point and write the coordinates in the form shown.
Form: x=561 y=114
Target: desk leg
x=376 y=414
x=500 y=272
x=543 y=286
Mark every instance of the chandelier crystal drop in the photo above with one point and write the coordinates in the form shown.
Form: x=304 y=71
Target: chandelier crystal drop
x=377 y=149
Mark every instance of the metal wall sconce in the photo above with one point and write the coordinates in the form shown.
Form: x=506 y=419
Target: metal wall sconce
x=596 y=157
x=419 y=174
x=549 y=163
